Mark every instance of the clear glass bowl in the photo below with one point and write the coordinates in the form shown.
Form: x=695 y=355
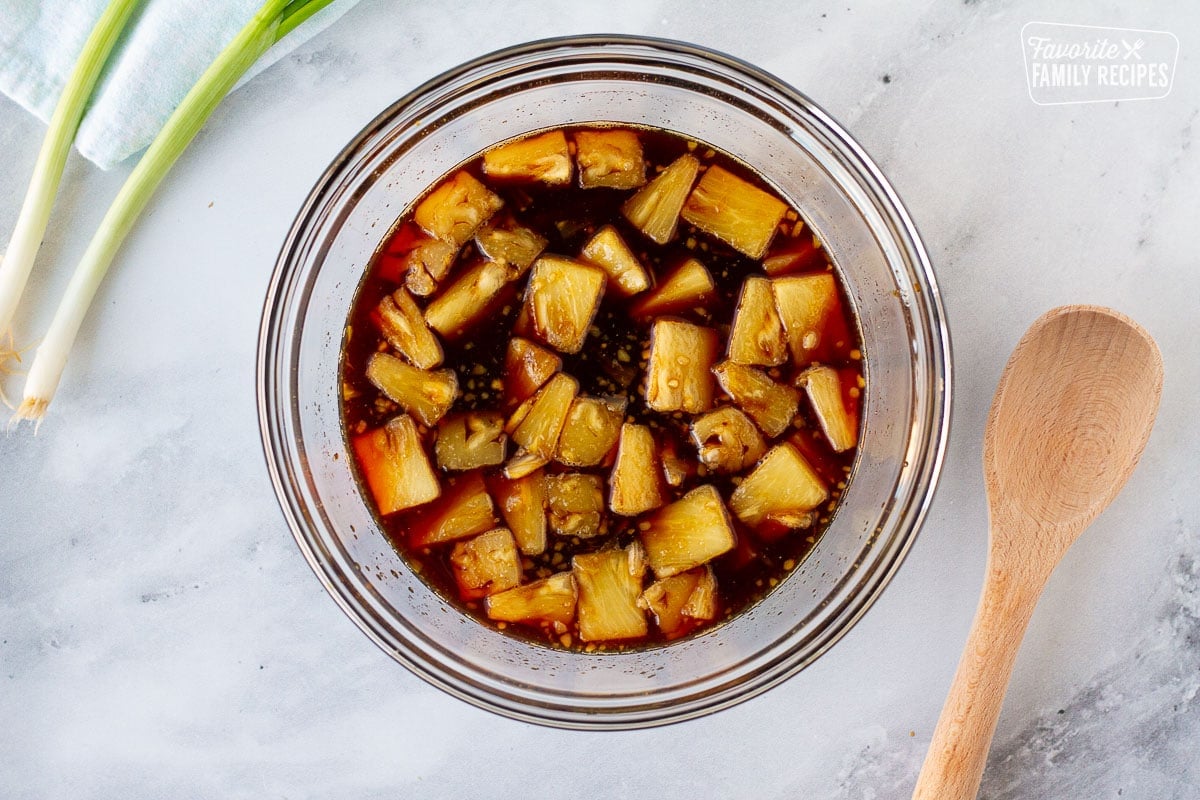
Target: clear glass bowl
x=811 y=161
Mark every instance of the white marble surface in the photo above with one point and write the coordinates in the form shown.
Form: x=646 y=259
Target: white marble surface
x=160 y=635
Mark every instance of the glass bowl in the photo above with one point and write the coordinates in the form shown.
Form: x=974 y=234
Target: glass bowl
x=810 y=160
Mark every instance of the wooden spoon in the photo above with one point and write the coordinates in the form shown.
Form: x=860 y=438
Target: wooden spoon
x=1070 y=418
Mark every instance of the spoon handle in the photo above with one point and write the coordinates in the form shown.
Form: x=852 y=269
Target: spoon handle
x=957 y=755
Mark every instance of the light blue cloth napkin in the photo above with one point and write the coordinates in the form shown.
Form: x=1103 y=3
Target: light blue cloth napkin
x=164 y=50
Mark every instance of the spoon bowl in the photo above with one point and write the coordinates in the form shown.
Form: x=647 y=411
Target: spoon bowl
x=1071 y=415
x=1069 y=421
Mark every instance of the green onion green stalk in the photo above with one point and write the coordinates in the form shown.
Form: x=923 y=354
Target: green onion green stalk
x=271 y=23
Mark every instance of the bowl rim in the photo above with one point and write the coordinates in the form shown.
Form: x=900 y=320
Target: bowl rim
x=928 y=297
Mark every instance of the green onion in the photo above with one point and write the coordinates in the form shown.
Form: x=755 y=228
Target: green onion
x=47 y=172
x=274 y=20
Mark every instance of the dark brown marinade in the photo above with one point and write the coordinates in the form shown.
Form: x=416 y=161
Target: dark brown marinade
x=567 y=216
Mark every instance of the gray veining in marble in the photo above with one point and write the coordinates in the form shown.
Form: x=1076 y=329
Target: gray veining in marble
x=160 y=636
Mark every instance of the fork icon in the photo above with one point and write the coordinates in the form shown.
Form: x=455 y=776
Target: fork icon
x=1132 y=49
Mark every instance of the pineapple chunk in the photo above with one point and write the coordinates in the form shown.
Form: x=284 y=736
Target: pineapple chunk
x=425 y=394
x=688 y=287
x=666 y=598
x=756 y=335
x=395 y=466
x=456 y=208
x=539 y=429
x=405 y=329
x=524 y=463
x=576 y=504
x=654 y=210
x=687 y=533
x=391 y=262
x=783 y=488
x=590 y=432
x=771 y=405
x=610 y=582
x=611 y=158
x=485 y=565
x=676 y=468
x=563 y=298
x=510 y=244
x=727 y=440
x=678 y=376
x=519 y=414
x=464 y=302
x=608 y=250
x=679 y=601
x=703 y=602
x=522 y=503
x=807 y=304
x=635 y=486
x=470 y=440
x=544 y=158
x=838 y=423
x=427 y=264
x=523 y=324
x=802 y=254
x=814 y=447
x=526 y=367
x=735 y=211
x=779 y=525
x=550 y=600
x=465 y=509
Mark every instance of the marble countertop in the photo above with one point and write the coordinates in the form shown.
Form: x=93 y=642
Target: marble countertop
x=161 y=636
